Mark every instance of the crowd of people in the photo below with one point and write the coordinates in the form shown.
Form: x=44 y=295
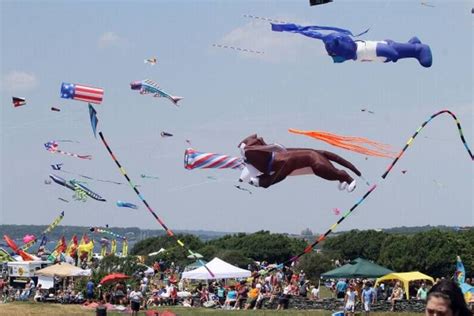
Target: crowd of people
x=164 y=287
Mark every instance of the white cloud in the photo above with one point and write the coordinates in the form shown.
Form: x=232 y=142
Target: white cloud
x=277 y=46
x=109 y=39
x=19 y=81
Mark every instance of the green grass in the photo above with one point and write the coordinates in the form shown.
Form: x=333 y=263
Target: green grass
x=28 y=308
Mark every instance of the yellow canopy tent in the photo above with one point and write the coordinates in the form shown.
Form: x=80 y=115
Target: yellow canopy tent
x=405 y=278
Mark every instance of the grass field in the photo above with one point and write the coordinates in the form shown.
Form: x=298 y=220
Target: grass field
x=26 y=309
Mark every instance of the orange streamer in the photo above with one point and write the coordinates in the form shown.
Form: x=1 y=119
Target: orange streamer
x=351 y=143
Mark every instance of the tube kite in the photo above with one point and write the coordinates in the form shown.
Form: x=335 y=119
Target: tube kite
x=60 y=248
x=52 y=147
x=322 y=237
x=71 y=250
x=168 y=231
x=55 y=109
x=148 y=86
x=113 y=247
x=82 y=93
x=341 y=47
x=350 y=143
x=199 y=160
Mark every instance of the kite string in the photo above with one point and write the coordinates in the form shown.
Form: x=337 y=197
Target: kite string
x=310 y=247
x=169 y=232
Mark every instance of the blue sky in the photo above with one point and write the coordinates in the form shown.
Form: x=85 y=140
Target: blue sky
x=227 y=96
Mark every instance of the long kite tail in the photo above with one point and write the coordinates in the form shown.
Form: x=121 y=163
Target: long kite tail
x=89 y=157
x=360 y=145
x=310 y=247
x=418 y=131
x=46 y=231
x=169 y=232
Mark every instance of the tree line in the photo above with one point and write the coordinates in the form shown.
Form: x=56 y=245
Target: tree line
x=432 y=252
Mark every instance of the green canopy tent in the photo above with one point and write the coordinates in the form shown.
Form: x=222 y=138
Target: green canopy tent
x=358 y=268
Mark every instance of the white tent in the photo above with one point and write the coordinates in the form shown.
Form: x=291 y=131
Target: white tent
x=220 y=269
x=63 y=270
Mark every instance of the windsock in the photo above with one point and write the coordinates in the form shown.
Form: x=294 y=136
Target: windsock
x=195 y=159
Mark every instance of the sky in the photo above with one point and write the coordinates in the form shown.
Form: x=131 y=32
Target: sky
x=229 y=95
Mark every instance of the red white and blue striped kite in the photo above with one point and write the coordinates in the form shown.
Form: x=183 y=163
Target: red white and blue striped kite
x=81 y=93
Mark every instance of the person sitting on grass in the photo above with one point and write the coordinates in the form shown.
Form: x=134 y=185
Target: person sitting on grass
x=231 y=298
x=252 y=296
x=242 y=295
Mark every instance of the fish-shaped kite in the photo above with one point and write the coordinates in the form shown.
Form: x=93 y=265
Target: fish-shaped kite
x=76 y=187
x=148 y=86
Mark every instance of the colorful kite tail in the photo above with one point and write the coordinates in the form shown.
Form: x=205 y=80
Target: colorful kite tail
x=169 y=232
x=89 y=157
x=199 y=160
x=350 y=143
x=461 y=135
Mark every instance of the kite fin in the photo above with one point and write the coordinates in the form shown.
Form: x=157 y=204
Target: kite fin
x=175 y=99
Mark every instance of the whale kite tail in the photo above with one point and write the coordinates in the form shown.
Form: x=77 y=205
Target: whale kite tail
x=175 y=99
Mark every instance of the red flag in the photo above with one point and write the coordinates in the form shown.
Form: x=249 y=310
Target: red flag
x=18 y=101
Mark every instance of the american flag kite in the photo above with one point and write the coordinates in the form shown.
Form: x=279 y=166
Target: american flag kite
x=81 y=93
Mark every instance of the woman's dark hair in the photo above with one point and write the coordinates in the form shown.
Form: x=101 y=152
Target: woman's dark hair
x=450 y=291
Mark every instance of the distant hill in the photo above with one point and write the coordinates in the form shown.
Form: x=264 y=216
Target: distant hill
x=135 y=234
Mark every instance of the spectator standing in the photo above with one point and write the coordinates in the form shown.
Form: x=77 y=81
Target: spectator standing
x=350 y=301
x=90 y=290
x=136 y=298
x=368 y=297
x=422 y=292
x=341 y=287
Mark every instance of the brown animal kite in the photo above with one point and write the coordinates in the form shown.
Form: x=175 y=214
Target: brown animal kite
x=267 y=164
